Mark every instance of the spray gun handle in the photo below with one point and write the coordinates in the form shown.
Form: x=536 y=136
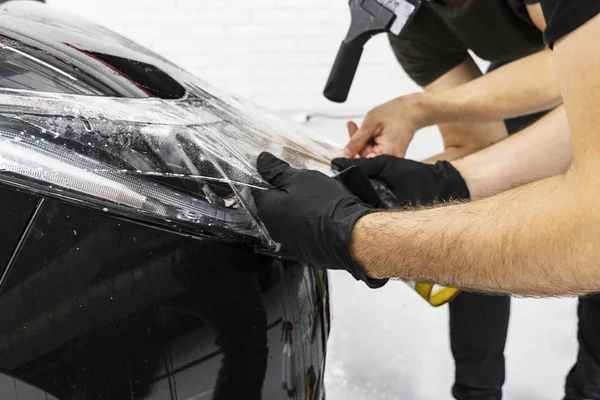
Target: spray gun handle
x=368 y=18
x=343 y=71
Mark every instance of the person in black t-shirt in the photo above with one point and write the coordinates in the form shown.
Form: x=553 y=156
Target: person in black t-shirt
x=434 y=51
x=536 y=229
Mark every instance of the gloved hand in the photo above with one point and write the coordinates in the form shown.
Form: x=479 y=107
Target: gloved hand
x=412 y=182
x=310 y=214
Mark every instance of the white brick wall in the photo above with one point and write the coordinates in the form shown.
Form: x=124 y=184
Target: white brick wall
x=276 y=52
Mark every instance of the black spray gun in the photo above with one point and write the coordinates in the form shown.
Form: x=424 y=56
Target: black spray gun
x=368 y=18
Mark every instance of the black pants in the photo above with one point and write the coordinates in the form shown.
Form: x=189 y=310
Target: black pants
x=478 y=329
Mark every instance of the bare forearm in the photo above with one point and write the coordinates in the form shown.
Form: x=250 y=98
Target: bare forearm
x=460 y=138
x=533 y=240
x=449 y=154
x=539 y=239
x=470 y=114
x=453 y=153
x=540 y=151
x=519 y=88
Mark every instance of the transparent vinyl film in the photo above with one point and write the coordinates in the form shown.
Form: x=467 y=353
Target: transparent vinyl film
x=88 y=115
x=233 y=132
x=38 y=163
x=188 y=164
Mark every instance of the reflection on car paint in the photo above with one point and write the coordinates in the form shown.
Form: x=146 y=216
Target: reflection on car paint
x=151 y=313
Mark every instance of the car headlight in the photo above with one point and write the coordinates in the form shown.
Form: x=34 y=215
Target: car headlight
x=187 y=165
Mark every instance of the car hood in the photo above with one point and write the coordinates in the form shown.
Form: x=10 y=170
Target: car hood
x=89 y=116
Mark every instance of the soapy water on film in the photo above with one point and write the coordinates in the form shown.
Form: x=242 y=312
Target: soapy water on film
x=116 y=143
x=187 y=133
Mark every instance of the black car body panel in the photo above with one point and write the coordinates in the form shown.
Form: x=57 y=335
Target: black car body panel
x=97 y=304
x=95 y=307
x=17 y=210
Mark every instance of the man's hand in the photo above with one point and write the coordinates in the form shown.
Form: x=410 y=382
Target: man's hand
x=412 y=182
x=469 y=108
x=387 y=129
x=310 y=214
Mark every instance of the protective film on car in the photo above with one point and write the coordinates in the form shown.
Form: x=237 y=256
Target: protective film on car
x=92 y=117
x=185 y=162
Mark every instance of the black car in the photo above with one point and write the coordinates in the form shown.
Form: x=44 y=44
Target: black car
x=133 y=265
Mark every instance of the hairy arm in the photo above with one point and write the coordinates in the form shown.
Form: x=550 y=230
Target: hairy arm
x=540 y=151
x=538 y=239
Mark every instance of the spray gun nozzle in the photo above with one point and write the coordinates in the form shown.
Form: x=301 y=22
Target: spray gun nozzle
x=368 y=18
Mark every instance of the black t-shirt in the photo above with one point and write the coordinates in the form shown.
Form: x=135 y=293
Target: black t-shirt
x=564 y=16
x=439 y=37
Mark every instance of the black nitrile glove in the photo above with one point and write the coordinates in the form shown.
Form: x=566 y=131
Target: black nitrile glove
x=309 y=214
x=359 y=184
x=412 y=182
